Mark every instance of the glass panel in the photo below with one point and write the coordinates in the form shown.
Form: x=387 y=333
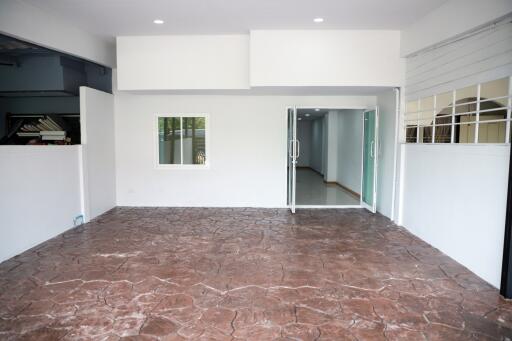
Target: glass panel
x=411 y=134
x=497 y=88
x=427 y=103
x=194 y=142
x=426 y=134
x=468 y=94
x=369 y=157
x=464 y=108
x=443 y=120
x=425 y=118
x=412 y=106
x=443 y=102
x=443 y=134
x=493 y=115
x=492 y=132
x=464 y=133
x=487 y=105
x=169 y=144
x=466 y=118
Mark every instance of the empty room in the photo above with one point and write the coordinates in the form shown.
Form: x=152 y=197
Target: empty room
x=255 y=170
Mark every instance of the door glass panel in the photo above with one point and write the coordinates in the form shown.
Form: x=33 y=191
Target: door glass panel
x=169 y=135
x=369 y=127
x=194 y=152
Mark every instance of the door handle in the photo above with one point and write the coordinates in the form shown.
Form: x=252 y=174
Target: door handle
x=372 y=145
x=298 y=148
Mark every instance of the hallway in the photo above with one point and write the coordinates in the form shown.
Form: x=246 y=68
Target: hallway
x=312 y=190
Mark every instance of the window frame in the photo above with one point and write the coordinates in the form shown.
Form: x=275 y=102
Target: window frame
x=407 y=116
x=181 y=166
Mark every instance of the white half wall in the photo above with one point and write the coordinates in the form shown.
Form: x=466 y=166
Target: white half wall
x=350 y=149
x=29 y=23
x=98 y=152
x=325 y=58
x=453 y=18
x=248 y=149
x=455 y=199
x=183 y=62
x=40 y=195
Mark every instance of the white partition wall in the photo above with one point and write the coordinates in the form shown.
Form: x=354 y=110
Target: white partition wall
x=98 y=152
x=40 y=188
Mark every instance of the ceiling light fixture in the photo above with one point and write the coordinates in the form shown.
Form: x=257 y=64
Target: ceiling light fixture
x=317 y=109
x=318 y=20
x=158 y=21
x=307 y=115
x=300 y=118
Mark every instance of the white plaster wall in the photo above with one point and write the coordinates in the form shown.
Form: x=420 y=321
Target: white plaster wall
x=454 y=198
x=98 y=151
x=34 y=25
x=325 y=58
x=453 y=18
x=318 y=145
x=183 y=62
x=350 y=149
x=304 y=133
x=40 y=188
x=248 y=137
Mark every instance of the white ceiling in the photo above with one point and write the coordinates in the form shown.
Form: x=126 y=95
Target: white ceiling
x=112 y=18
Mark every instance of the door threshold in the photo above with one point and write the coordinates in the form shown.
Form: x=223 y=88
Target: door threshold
x=328 y=206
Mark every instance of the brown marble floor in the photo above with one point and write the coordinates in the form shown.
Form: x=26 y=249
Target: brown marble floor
x=244 y=274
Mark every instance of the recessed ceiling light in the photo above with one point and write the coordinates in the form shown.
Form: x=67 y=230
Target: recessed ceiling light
x=317 y=109
x=318 y=20
x=158 y=21
x=307 y=115
x=300 y=118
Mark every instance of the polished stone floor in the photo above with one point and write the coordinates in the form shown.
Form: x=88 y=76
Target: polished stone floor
x=244 y=274
x=312 y=190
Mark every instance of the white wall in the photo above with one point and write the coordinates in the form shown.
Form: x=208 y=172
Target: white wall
x=455 y=198
x=304 y=134
x=183 y=62
x=453 y=18
x=350 y=149
x=34 y=25
x=98 y=152
x=40 y=195
x=386 y=170
x=318 y=145
x=325 y=58
x=246 y=169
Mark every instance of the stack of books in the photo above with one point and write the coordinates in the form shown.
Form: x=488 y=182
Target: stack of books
x=52 y=135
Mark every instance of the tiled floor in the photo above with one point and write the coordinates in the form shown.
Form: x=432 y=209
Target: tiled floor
x=244 y=274
x=312 y=190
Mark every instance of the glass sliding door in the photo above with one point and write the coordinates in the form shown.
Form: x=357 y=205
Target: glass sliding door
x=292 y=157
x=370 y=158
